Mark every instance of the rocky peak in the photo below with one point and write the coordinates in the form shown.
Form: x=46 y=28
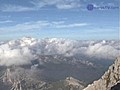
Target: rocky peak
x=109 y=79
x=19 y=79
x=74 y=82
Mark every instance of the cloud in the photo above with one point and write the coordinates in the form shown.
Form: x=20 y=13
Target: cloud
x=15 y=8
x=68 y=6
x=98 y=50
x=24 y=51
x=74 y=25
x=26 y=26
x=40 y=25
x=38 y=4
x=15 y=56
x=6 y=21
x=60 y=4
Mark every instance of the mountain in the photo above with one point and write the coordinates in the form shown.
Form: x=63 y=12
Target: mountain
x=42 y=63
x=69 y=83
x=110 y=80
x=27 y=49
x=22 y=80
x=18 y=79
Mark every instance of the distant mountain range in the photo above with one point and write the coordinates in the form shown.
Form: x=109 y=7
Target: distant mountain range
x=16 y=78
x=54 y=64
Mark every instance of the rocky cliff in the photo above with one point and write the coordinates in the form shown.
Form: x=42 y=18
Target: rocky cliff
x=16 y=78
x=110 y=80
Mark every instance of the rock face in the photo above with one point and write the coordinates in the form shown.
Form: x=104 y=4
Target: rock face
x=74 y=83
x=69 y=83
x=20 y=81
x=109 y=80
x=16 y=78
x=116 y=87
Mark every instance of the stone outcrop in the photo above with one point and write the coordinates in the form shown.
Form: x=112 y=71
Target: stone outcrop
x=109 y=79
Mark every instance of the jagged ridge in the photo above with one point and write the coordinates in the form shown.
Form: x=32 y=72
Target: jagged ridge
x=109 y=79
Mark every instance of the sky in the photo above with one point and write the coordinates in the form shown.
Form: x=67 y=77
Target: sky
x=70 y=19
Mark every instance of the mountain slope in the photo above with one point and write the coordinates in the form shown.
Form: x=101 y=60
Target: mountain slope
x=69 y=83
x=21 y=80
x=109 y=79
x=23 y=51
x=52 y=60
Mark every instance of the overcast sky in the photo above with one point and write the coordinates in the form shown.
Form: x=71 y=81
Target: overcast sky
x=59 y=19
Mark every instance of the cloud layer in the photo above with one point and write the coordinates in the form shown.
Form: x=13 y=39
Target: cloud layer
x=25 y=50
x=38 y=4
x=40 y=25
x=35 y=5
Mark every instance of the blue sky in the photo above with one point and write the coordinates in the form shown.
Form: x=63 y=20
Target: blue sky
x=59 y=19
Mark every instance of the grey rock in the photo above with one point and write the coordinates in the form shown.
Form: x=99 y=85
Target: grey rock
x=109 y=79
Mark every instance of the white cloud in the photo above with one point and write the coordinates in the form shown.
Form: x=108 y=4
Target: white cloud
x=38 y=4
x=74 y=25
x=40 y=25
x=6 y=21
x=15 y=8
x=15 y=56
x=102 y=51
x=68 y=6
x=23 y=51
x=58 y=22
x=60 y=4
x=26 y=26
